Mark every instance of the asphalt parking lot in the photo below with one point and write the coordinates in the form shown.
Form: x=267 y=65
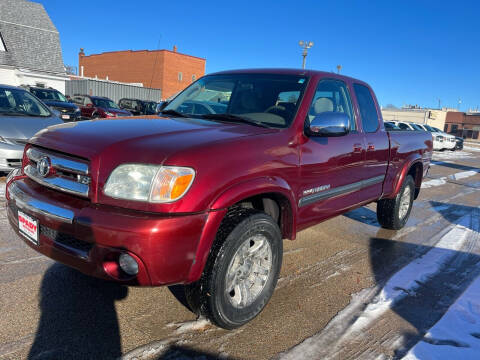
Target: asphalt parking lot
x=334 y=274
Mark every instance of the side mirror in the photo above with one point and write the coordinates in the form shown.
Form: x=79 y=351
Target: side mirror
x=329 y=124
x=161 y=106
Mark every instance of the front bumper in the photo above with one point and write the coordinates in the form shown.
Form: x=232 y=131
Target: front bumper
x=90 y=237
x=10 y=157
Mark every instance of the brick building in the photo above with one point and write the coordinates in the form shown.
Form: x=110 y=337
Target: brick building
x=167 y=70
x=466 y=125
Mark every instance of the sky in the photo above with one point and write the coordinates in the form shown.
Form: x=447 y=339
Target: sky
x=411 y=52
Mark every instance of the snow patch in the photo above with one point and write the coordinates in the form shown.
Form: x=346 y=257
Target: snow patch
x=443 y=180
x=434 y=182
x=471 y=148
x=455 y=335
x=196 y=325
x=451 y=155
x=405 y=281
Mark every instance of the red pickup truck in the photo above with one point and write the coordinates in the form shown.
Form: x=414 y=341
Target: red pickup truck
x=205 y=199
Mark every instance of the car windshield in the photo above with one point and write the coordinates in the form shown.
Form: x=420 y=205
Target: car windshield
x=416 y=127
x=105 y=103
x=20 y=102
x=49 y=95
x=428 y=127
x=265 y=99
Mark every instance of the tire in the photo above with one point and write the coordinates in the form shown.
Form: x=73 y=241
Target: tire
x=390 y=213
x=213 y=296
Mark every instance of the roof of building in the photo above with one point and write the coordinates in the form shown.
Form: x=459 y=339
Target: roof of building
x=139 y=51
x=31 y=39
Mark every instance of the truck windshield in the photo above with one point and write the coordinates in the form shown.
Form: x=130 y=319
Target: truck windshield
x=269 y=99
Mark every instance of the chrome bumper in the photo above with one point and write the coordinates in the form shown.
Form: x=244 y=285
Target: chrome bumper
x=37 y=207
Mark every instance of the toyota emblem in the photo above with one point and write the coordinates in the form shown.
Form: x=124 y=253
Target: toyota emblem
x=43 y=166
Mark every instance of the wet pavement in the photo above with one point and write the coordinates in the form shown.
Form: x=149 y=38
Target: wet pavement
x=334 y=275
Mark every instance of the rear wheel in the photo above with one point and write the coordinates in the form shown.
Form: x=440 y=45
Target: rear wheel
x=394 y=213
x=241 y=272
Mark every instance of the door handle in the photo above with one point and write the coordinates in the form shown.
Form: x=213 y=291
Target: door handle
x=370 y=147
x=357 y=148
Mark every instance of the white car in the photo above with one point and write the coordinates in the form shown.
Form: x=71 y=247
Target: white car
x=450 y=142
x=447 y=141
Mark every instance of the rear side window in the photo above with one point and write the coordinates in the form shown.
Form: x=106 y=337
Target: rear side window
x=368 y=111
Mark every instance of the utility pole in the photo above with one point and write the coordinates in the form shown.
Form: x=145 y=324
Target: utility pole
x=305 y=45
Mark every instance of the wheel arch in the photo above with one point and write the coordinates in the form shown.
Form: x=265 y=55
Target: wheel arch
x=413 y=167
x=272 y=195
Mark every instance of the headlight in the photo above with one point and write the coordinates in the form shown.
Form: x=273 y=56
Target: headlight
x=109 y=113
x=156 y=184
x=77 y=111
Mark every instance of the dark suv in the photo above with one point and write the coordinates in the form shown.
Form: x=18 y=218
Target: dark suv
x=57 y=101
x=138 y=107
x=93 y=107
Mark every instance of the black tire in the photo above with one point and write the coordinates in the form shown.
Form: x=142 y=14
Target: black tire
x=208 y=296
x=388 y=210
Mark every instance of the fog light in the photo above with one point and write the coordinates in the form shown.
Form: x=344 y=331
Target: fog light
x=128 y=264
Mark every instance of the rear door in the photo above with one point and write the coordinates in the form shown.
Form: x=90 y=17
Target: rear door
x=377 y=144
x=331 y=167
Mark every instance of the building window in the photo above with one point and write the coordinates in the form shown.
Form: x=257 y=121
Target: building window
x=180 y=76
x=2 y=44
x=194 y=78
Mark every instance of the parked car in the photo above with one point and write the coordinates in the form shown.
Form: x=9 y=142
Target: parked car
x=450 y=140
x=138 y=107
x=441 y=140
x=205 y=200
x=390 y=126
x=94 y=107
x=21 y=116
x=202 y=107
x=458 y=143
x=58 y=102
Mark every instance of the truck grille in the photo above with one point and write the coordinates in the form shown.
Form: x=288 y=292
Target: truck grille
x=58 y=171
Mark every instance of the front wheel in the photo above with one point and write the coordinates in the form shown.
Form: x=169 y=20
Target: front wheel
x=393 y=213
x=241 y=272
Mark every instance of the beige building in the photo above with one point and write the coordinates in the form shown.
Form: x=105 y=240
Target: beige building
x=432 y=117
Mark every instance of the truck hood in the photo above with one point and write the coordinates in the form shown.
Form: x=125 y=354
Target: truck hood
x=139 y=139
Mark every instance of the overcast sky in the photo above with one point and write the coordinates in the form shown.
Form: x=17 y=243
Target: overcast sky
x=413 y=52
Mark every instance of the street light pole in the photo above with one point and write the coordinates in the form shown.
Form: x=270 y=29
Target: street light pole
x=305 y=45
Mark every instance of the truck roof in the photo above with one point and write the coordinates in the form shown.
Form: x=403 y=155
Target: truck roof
x=287 y=71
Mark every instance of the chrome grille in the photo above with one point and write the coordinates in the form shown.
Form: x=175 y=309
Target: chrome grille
x=68 y=175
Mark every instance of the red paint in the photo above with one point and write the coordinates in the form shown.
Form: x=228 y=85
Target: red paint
x=232 y=162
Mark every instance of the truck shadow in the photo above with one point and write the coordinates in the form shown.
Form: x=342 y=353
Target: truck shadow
x=78 y=317
x=454 y=166
x=430 y=297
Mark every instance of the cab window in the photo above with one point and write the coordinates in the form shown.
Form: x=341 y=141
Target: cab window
x=332 y=96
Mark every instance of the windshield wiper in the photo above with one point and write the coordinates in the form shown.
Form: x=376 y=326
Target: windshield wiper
x=173 y=112
x=235 y=118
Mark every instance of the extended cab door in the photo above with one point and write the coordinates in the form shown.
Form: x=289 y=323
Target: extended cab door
x=377 y=143
x=331 y=167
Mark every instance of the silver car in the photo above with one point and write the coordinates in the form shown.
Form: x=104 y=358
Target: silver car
x=22 y=115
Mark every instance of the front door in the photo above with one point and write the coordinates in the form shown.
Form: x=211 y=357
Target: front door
x=331 y=167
